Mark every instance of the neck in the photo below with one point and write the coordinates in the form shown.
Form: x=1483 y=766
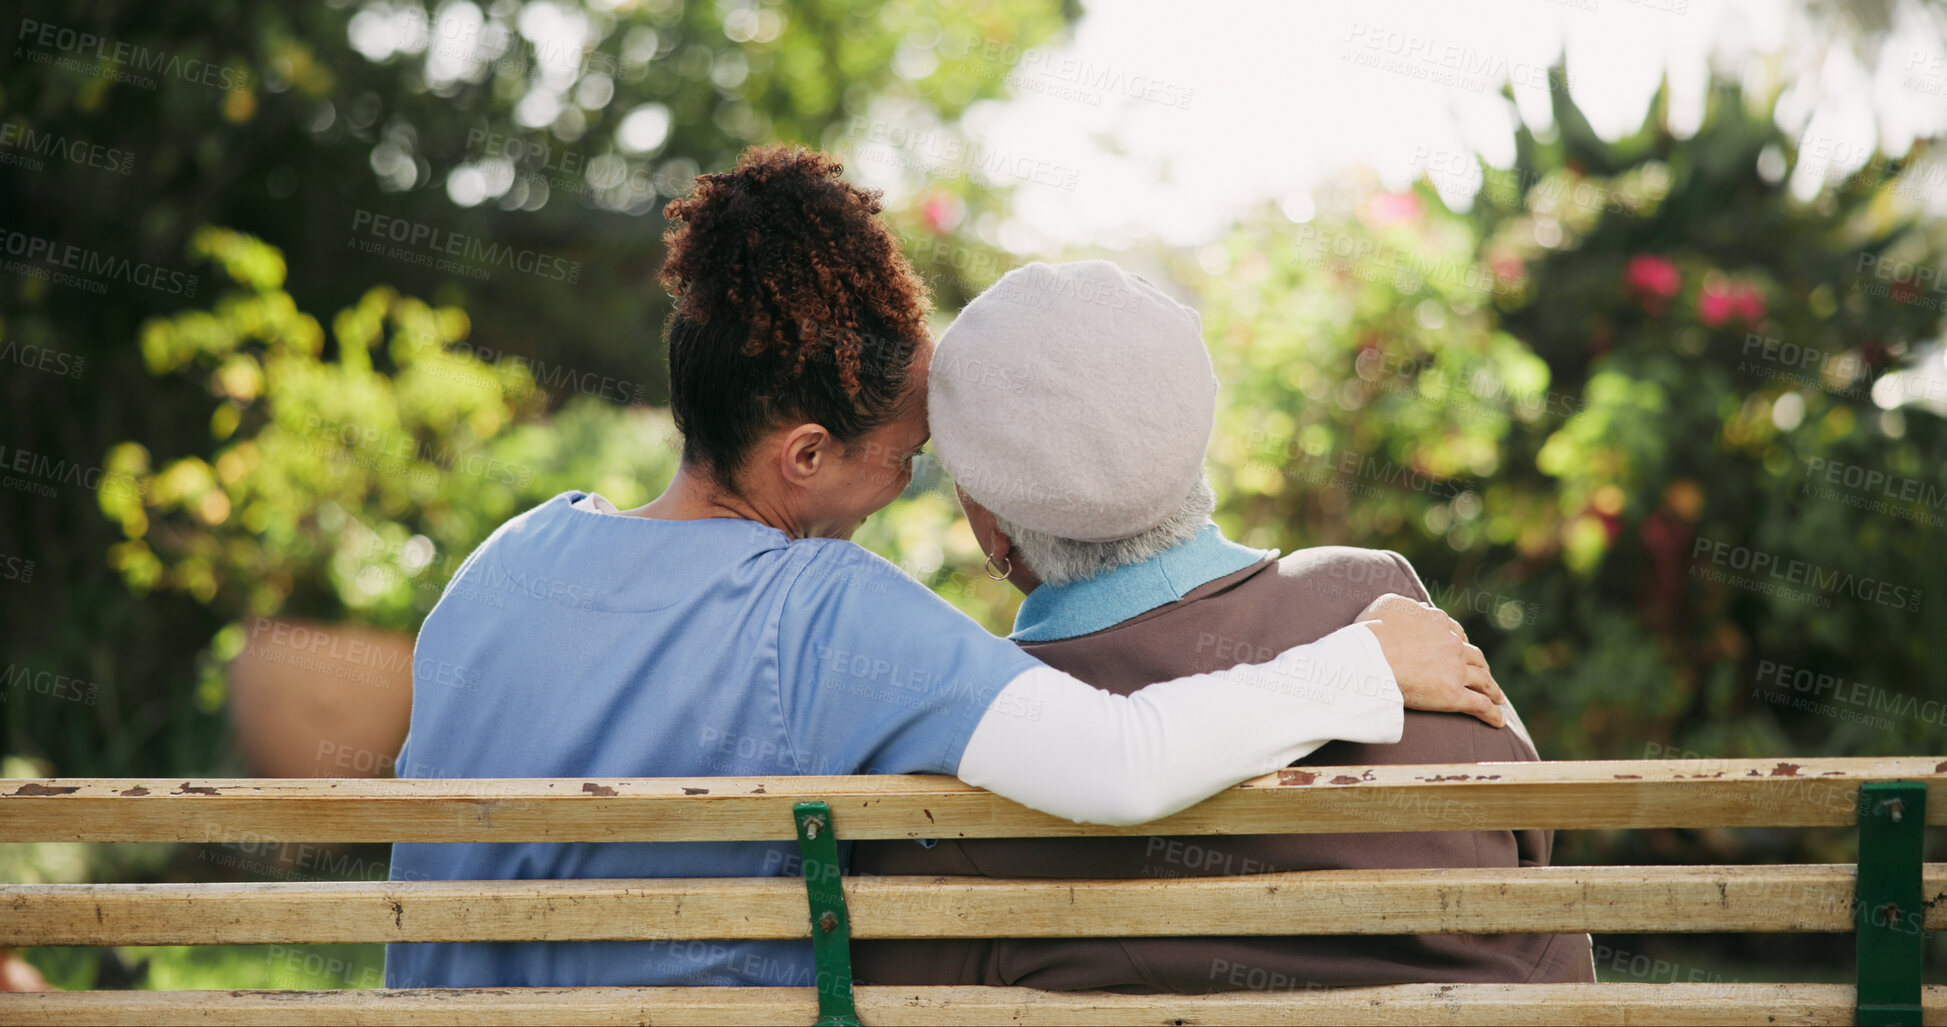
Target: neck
x=1023 y=577
x=694 y=495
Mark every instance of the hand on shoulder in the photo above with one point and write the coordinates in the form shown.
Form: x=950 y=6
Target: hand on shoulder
x=1436 y=667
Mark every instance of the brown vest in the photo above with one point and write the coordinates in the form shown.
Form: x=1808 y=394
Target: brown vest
x=1245 y=617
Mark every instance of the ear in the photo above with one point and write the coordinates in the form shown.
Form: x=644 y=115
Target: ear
x=803 y=451
x=986 y=528
x=1001 y=547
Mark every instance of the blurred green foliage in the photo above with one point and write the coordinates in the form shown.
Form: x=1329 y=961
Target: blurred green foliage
x=214 y=967
x=501 y=122
x=1560 y=403
x=351 y=486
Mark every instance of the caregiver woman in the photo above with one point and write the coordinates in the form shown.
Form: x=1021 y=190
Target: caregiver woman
x=728 y=627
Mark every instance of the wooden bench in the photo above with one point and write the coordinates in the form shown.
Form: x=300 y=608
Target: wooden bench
x=1889 y=900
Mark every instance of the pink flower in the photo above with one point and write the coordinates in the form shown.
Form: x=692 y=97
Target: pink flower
x=1722 y=301
x=941 y=211
x=1389 y=208
x=1716 y=305
x=1653 y=276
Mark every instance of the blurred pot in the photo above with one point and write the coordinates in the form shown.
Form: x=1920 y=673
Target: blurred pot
x=321 y=700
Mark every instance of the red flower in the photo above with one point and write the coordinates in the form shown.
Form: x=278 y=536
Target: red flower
x=1723 y=301
x=1653 y=276
x=1611 y=525
x=1715 y=305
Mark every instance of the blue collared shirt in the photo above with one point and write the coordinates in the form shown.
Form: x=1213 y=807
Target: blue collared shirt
x=585 y=645
x=1053 y=612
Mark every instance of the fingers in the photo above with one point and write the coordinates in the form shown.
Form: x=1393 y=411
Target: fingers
x=1477 y=659
x=1435 y=665
x=1482 y=683
x=1453 y=695
x=1478 y=705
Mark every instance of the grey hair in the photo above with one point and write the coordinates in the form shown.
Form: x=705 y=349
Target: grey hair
x=1059 y=561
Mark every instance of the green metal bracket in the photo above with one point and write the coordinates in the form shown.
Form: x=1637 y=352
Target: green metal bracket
x=1891 y=916
x=831 y=925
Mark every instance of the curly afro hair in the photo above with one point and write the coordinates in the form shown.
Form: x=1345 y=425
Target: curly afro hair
x=793 y=302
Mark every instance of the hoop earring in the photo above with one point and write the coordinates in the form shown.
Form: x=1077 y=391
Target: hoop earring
x=1004 y=571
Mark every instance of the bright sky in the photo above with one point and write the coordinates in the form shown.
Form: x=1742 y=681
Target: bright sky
x=1238 y=101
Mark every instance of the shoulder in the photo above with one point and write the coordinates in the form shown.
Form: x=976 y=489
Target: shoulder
x=1350 y=572
x=526 y=523
x=539 y=519
x=836 y=565
x=552 y=506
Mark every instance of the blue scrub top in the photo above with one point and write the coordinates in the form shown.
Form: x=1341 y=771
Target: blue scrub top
x=574 y=643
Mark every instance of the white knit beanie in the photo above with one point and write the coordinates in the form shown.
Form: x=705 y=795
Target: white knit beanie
x=1074 y=399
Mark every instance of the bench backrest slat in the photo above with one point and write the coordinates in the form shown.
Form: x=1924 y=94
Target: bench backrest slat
x=1600 y=794
x=1431 y=1004
x=1473 y=901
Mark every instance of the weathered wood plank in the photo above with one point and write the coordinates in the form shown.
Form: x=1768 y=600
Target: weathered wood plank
x=1598 y=794
x=1474 y=901
x=1398 y=1004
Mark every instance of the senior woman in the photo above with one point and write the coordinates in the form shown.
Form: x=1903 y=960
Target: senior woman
x=727 y=627
x=1072 y=404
